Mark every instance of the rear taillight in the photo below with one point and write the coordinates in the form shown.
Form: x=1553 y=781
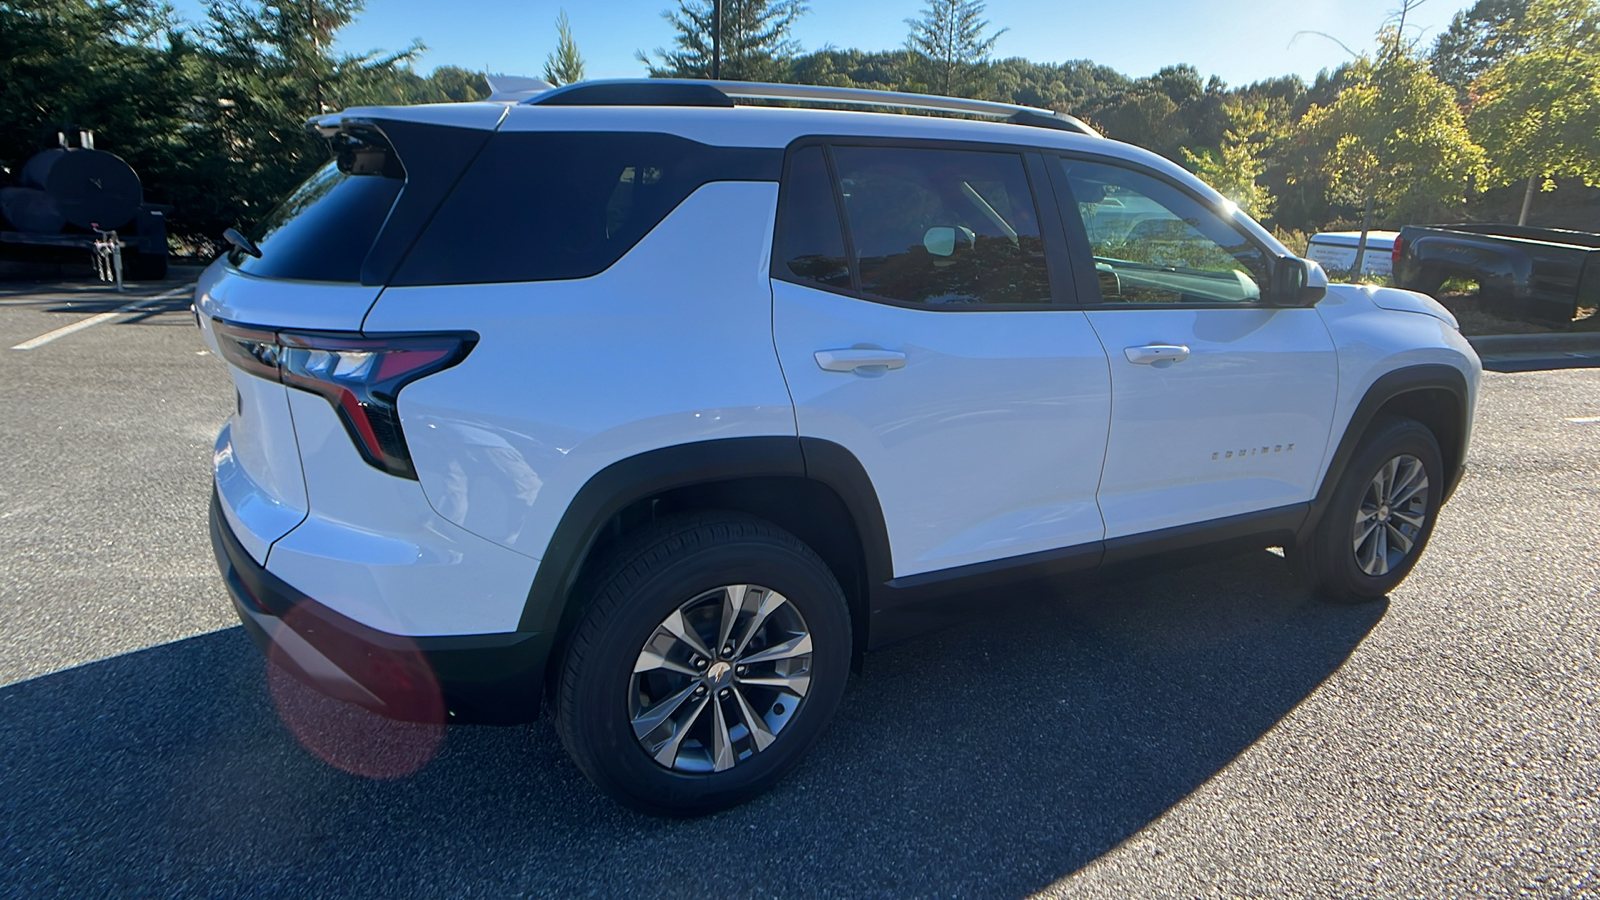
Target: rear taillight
x=361 y=375
x=1398 y=251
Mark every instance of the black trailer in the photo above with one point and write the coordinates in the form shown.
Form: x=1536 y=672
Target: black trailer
x=68 y=198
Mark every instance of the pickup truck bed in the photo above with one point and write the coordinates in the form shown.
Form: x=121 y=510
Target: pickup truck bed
x=1537 y=274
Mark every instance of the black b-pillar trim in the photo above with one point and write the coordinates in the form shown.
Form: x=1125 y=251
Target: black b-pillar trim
x=435 y=157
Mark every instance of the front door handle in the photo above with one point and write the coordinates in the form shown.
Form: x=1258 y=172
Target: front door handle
x=1150 y=354
x=859 y=358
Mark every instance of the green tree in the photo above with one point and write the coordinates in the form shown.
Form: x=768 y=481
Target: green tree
x=757 y=40
x=949 y=44
x=1537 y=111
x=881 y=70
x=1144 y=117
x=122 y=69
x=1478 y=37
x=269 y=66
x=453 y=84
x=564 y=65
x=1078 y=87
x=1394 y=137
x=1236 y=167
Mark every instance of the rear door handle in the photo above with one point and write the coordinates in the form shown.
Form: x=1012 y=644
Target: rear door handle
x=1154 y=353
x=859 y=358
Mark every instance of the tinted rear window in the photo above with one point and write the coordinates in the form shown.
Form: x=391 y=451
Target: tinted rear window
x=325 y=229
x=813 y=242
x=943 y=226
x=539 y=206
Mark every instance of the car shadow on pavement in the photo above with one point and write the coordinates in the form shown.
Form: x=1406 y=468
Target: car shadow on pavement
x=96 y=304
x=988 y=760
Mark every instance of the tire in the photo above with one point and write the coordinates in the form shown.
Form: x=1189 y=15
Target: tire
x=656 y=598
x=1342 y=567
x=1429 y=282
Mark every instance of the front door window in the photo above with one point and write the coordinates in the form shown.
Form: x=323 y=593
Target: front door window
x=1153 y=243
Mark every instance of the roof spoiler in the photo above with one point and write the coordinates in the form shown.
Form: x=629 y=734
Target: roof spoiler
x=515 y=88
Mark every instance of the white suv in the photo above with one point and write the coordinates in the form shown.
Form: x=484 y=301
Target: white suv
x=663 y=408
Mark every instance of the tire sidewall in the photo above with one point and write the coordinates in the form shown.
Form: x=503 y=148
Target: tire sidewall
x=599 y=721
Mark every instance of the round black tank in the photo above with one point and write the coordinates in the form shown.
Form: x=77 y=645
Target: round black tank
x=88 y=188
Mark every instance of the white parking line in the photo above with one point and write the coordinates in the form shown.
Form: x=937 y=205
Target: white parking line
x=92 y=321
x=1586 y=420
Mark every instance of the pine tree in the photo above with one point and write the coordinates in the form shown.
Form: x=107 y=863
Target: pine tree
x=564 y=65
x=949 y=41
x=756 y=40
x=270 y=65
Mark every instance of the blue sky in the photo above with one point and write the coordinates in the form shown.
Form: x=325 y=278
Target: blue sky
x=1240 y=40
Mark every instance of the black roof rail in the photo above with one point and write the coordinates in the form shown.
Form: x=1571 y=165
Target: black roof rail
x=1059 y=121
x=644 y=92
x=688 y=92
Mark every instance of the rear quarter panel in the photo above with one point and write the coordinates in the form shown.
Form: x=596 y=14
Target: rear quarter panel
x=671 y=345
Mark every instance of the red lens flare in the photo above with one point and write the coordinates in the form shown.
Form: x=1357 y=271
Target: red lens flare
x=342 y=733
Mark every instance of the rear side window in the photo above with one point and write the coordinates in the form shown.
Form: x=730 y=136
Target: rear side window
x=325 y=229
x=541 y=206
x=813 y=244
x=927 y=226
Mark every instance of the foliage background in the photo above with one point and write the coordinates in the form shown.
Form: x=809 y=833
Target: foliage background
x=211 y=112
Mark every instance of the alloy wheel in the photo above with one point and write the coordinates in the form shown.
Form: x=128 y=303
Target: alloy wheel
x=1391 y=516
x=720 y=678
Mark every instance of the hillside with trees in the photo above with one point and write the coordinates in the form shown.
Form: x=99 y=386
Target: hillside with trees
x=1483 y=122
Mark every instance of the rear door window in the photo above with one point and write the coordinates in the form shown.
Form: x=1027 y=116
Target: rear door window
x=943 y=227
x=812 y=241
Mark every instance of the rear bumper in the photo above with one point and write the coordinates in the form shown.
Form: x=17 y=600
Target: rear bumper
x=487 y=678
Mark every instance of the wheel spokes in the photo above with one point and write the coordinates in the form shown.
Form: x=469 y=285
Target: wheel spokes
x=721 y=742
x=770 y=601
x=759 y=733
x=794 y=684
x=678 y=628
x=667 y=753
x=1391 y=516
x=1413 y=482
x=1365 y=530
x=799 y=645
x=1380 y=555
x=1398 y=538
x=650 y=719
x=699 y=656
x=1415 y=520
x=651 y=659
x=733 y=600
x=1367 y=553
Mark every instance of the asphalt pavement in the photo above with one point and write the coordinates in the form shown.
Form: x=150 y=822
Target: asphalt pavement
x=1199 y=731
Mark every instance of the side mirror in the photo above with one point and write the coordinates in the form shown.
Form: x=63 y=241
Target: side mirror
x=944 y=240
x=1298 y=282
